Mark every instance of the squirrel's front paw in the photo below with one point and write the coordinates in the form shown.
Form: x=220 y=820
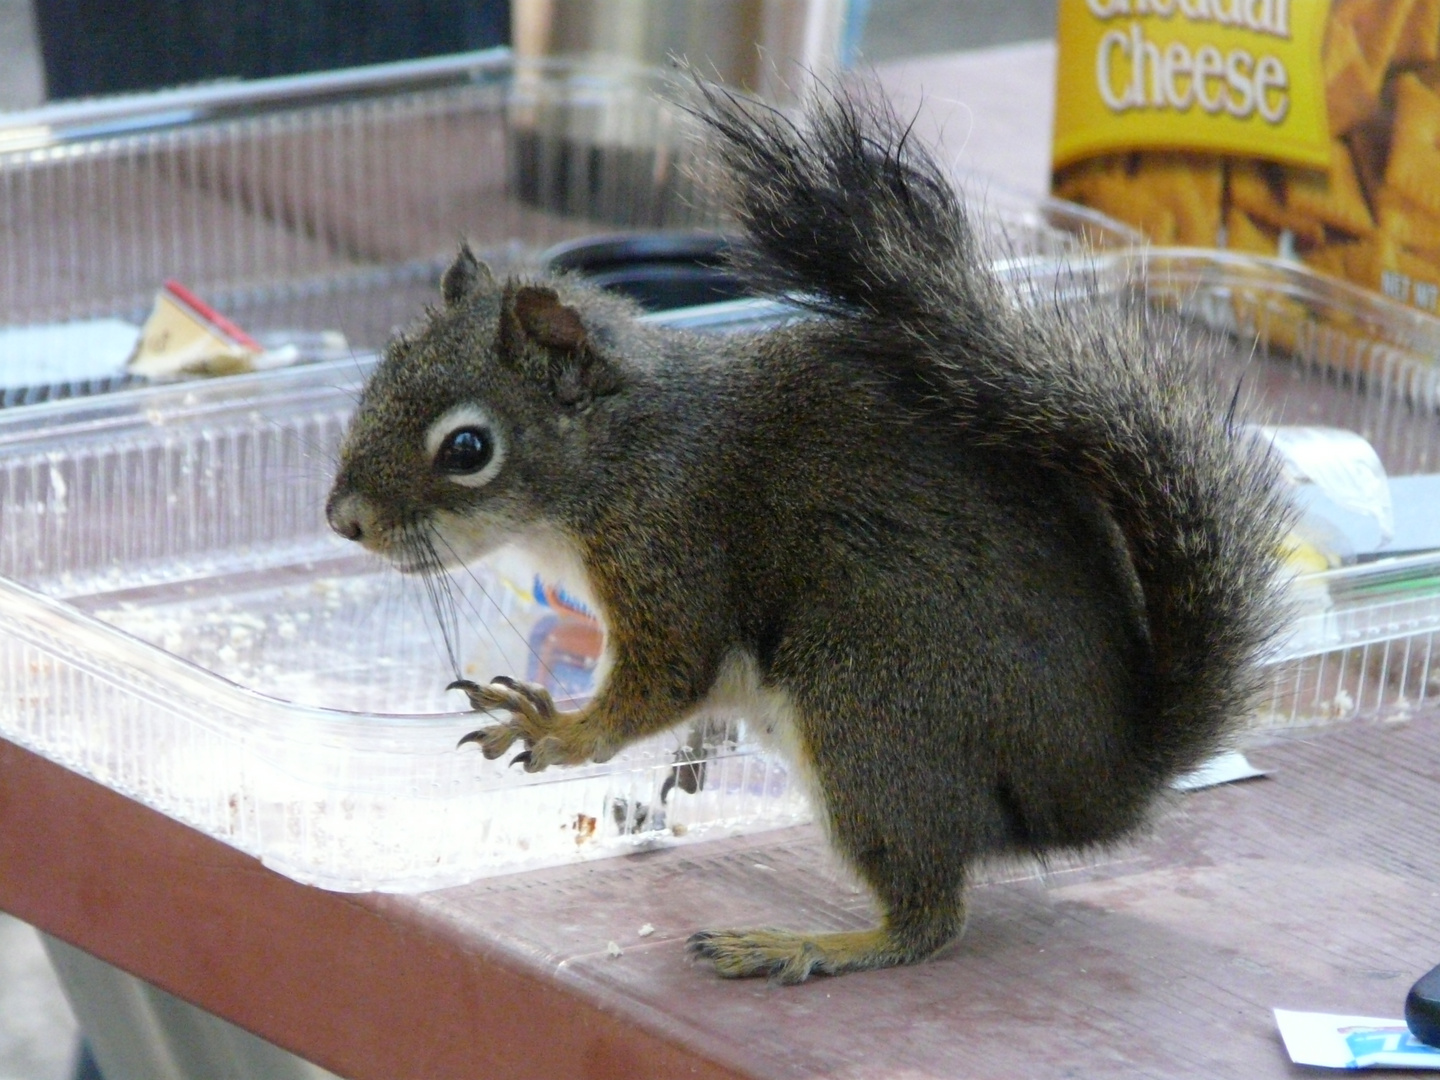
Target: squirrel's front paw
x=549 y=736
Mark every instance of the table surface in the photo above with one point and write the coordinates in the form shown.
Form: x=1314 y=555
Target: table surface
x=1314 y=888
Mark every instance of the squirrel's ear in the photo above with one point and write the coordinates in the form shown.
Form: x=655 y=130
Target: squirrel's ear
x=465 y=276
x=574 y=368
x=546 y=321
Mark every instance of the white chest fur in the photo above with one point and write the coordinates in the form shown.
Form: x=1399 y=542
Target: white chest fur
x=768 y=712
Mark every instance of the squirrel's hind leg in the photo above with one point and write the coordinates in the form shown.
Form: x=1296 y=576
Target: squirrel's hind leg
x=922 y=905
x=790 y=957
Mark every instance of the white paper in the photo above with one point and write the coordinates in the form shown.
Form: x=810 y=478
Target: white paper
x=1352 y=1042
x=1342 y=465
x=1221 y=769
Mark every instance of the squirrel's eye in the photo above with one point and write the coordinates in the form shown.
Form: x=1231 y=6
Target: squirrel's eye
x=467 y=450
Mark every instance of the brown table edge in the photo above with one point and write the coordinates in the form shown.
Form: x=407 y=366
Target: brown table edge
x=346 y=981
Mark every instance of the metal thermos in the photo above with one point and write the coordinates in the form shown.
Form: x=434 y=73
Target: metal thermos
x=624 y=156
x=767 y=47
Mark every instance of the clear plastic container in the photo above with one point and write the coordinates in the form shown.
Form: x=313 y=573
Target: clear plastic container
x=177 y=623
x=281 y=200
x=333 y=201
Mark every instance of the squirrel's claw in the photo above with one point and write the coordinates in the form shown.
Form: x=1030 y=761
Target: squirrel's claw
x=530 y=700
x=736 y=954
x=472 y=691
x=534 y=718
x=548 y=751
x=493 y=741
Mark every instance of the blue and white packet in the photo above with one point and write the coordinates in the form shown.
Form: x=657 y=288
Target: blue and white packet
x=1333 y=1041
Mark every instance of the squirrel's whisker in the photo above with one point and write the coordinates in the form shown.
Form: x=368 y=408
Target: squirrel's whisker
x=438 y=588
x=540 y=660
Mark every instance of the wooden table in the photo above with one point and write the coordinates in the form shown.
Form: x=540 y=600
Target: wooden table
x=1315 y=888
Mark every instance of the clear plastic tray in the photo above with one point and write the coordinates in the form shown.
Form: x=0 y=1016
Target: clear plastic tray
x=303 y=200
x=333 y=201
x=177 y=623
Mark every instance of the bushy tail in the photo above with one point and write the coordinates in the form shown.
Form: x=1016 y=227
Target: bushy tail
x=845 y=213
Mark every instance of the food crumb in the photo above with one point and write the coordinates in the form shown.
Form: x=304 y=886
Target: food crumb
x=584 y=828
x=613 y=950
x=646 y=930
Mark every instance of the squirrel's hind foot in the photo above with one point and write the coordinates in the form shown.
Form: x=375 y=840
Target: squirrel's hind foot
x=788 y=957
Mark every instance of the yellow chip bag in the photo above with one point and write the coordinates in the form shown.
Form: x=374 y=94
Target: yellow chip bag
x=1301 y=128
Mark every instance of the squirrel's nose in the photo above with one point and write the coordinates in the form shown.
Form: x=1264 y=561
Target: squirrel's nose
x=342 y=511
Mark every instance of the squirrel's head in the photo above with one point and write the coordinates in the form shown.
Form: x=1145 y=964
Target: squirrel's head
x=464 y=434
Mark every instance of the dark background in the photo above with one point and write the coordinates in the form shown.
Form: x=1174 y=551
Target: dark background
x=111 y=46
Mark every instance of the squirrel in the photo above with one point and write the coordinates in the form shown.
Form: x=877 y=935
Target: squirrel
x=992 y=572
